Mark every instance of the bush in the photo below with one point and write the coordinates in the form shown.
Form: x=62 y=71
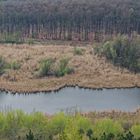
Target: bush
x=16 y=124
x=136 y=130
x=126 y=136
x=122 y=51
x=109 y=136
x=78 y=51
x=45 y=67
x=30 y=136
x=63 y=68
x=57 y=124
x=77 y=128
x=37 y=126
x=107 y=126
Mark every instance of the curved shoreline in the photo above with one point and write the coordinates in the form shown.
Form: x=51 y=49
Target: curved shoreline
x=68 y=100
x=60 y=88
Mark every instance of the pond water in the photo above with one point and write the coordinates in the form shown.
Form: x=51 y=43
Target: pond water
x=68 y=99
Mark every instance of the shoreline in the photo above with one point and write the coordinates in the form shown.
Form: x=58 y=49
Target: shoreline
x=55 y=90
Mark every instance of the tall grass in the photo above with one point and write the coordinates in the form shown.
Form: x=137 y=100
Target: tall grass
x=45 y=67
x=63 y=68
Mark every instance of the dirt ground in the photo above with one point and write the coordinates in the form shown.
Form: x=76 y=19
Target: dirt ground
x=91 y=71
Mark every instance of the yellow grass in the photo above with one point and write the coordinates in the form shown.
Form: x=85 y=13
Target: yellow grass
x=90 y=70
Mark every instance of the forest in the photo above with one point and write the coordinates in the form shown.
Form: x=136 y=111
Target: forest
x=84 y=20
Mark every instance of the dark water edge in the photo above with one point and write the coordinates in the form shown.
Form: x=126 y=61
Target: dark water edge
x=73 y=98
x=62 y=87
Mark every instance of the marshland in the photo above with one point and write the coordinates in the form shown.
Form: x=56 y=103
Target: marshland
x=69 y=70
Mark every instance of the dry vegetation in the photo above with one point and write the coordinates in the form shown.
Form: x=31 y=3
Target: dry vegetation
x=127 y=119
x=89 y=70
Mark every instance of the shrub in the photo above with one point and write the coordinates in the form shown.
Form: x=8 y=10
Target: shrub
x=63 y=68
x=89 y=134
x=107 y=126
x=126 y=136
x=109 y=136
x=72 y=130
x=45 y=67
x=30 y=136
x=83 y=123
x=78 y=51
x=122 y=51
x=37 y=126
x=57 y=124
x=21 y=123
x=109 y=51
x=136 y=130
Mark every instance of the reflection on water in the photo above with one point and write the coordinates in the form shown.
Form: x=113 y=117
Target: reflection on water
x=71 y=98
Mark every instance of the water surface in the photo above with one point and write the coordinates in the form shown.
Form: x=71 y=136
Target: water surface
x=73 y=98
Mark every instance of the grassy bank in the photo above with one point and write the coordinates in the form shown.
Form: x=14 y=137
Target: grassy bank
x=16 y=125
x=30 y=69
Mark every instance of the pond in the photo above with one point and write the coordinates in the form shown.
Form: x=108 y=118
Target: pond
x=70 y=98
